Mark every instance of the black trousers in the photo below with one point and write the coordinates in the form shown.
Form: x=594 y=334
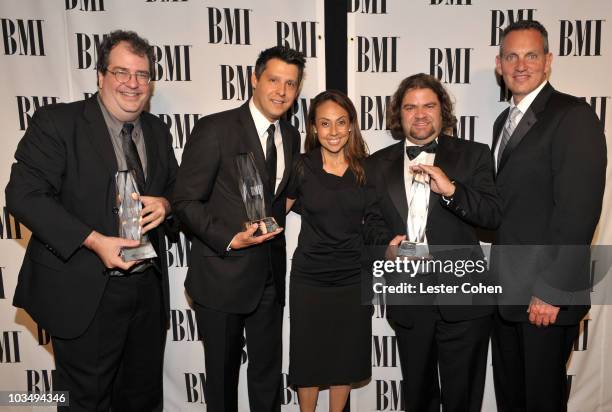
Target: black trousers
x=223 y=345
x=457 y=349
x=118 y=361
x=529 y=365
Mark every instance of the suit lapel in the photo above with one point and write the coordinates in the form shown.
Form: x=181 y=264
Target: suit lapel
x=395 y=180
x=98 y=133
x=287 y=150
x=528 y=120
x=253 y=143
x=151 y=149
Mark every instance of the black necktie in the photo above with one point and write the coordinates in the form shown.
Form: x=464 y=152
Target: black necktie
x=131 y=155
x=414 y=151
x=271 y=157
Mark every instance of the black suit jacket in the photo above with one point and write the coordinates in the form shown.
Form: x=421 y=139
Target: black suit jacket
x=208 y=202
x=474 y=203
x=63 y=187
x=551 y=182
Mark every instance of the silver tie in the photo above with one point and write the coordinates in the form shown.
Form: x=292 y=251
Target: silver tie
x=508 y=130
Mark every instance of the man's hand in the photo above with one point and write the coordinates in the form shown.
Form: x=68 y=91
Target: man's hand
x=108 y=249
x=542 y=313
x=246 y=238
x=439 y=182
x=154 y=211
x=391 y=252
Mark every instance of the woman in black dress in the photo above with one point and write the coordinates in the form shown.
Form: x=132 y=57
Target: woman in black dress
x=330 y=344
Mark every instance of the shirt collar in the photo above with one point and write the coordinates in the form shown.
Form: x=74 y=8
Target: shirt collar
x=408 y=143
x=261 y=123
x=527 y=100
x=114 y=125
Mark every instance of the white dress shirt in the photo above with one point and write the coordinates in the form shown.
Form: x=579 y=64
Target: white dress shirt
x=261 y=125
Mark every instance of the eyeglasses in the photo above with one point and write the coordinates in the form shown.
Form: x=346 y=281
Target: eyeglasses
x=122 y=76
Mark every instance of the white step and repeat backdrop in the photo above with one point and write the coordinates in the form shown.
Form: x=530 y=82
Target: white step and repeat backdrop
x=205 y=51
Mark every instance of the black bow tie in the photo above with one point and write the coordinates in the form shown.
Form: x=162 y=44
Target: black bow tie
x=414 y=151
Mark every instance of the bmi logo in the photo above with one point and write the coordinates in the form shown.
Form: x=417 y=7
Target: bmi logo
x=389 y=395
x=384 y=351
x=87 y=49
x=180 y=125
x=582 y=341
x=10 y=228
x=171 y=63
x=229 y=26
x=236 y=82
x=9 y=347
x=195 y=387
x=377 y=54
x=450 y=65
x=504 y=93
x=299 y=35
x=582 y=37
x=184 y=325
x=43 y=336
x=379 y=311
x=288 y=394
x=27 y=105
x=39 y=381
x=368 y=6
x=466 y=127
x=501 y=18
x=599 y=104
x=451 y=2
x=373 y=112
x=2 y=295
x=85 y=5
x=297 y=113
x=23 y=37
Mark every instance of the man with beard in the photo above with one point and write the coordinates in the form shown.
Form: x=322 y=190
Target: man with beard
x=431 y=337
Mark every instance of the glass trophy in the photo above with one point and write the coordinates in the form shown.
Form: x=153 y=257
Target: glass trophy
x=130 y=207
x=414 y=246
x=252 y=191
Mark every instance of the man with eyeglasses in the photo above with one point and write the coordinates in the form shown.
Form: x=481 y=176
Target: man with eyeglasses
x=106 y=317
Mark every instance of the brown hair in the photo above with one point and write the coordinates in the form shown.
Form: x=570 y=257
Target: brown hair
x=419 y=81
x=355 y=149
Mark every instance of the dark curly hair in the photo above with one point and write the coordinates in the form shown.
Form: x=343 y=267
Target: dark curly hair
x=138 y=46
x=419 y=81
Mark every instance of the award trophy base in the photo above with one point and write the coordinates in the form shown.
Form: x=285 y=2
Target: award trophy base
x=265 y=225
x=144 y=251
x=413 y=250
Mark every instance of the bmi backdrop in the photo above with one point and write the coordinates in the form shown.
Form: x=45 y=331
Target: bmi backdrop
x=205 y=51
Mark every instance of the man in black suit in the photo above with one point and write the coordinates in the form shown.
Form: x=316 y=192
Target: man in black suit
x=462 y=195
x=550 y=155
x=106 y=317
x=236 y=279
